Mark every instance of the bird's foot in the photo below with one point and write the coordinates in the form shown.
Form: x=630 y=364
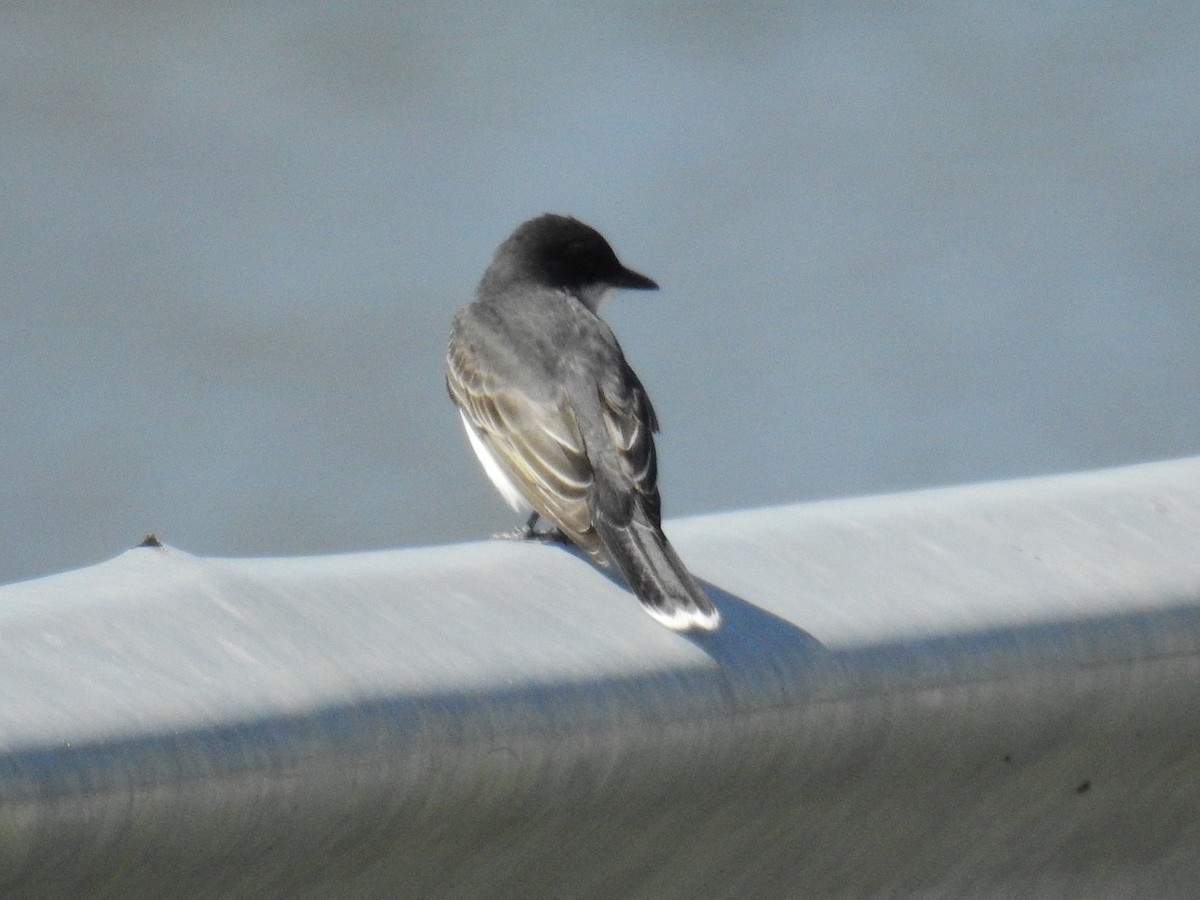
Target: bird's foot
x=528 y=532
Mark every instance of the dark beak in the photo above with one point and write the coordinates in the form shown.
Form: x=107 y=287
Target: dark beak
x=627 y=278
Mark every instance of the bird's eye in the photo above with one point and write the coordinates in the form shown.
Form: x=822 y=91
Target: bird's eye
x=580 y=258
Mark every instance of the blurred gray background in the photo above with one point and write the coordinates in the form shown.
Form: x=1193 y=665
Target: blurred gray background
x=899 y=246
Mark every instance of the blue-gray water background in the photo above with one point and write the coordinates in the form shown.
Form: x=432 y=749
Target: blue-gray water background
x=899 y=245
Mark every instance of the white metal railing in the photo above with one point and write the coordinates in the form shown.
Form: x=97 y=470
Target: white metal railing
x=989 y=690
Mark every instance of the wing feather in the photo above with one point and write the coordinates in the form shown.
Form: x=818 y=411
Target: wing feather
x=631 y=423
x=536 y=442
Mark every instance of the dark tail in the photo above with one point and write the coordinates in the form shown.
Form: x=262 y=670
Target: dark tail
x=657 y=575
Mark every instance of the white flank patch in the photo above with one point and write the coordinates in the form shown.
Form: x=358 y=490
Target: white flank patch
x=506 y=488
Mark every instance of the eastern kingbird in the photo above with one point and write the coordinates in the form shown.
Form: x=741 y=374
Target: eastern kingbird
x=560 y=422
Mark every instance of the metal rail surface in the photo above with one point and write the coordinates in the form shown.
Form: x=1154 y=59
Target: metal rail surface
x=981 y=691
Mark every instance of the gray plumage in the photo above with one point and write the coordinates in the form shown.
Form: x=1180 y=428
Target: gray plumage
x=560 y=421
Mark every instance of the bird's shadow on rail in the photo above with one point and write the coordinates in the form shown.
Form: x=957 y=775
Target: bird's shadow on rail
x=748 y=633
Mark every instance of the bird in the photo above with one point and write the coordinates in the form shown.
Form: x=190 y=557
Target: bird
x=560 y=422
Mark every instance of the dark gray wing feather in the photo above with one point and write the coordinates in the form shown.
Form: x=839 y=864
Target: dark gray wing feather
x=537 y=444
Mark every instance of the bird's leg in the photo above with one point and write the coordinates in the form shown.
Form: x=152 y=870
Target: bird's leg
x=528 y=532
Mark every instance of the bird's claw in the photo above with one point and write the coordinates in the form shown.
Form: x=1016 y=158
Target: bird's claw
x=529 y=533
